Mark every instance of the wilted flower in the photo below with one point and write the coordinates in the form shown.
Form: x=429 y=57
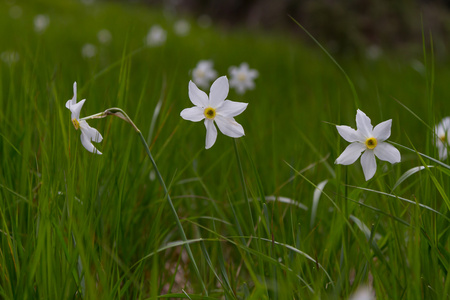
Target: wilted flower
x=242 y=78
x=369 y=140
x=104 y=36
x=182 y=27
x=41 y=23
x=442 y=131
x=156 y=36
x=204 y=73
x=215 y=108
x=88 y=50
x=88 y=134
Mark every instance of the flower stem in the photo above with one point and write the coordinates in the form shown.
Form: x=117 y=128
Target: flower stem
x=121 y=114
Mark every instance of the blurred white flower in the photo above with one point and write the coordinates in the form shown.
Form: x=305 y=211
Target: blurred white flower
x=215 y=109
x=10 y=57
x=88 y=50
x=362 y=293
x=156 y=36
x=242 y=78
x=41 y=23
x=369 y=140
x=373 y=52
x=104 y=36
x=204 y=73
x=88 y=134
x=15 y=12
x=442 y=131
x=182 y=27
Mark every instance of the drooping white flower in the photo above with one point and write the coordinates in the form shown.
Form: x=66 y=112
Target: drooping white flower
x=88 y=50
x=41 y=23
x=369 y=140
x=215 y=109
x=204 y=73
x=242 y=78
x=156 y=36
x=442 y=131
x=88 y=134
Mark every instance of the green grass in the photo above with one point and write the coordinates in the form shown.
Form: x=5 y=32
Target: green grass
x=78 y=225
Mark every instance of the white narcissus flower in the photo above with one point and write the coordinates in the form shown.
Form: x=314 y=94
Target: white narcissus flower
x=215 y=109
x=156 y=36
x=88 y=134
x=369 y=140
x=204 y=73
x=442 y=131
x=242 y=78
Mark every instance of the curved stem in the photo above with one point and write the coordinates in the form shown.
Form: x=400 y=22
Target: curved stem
x=121 y=114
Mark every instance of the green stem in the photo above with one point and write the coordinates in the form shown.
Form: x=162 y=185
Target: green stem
x=244 y=187
x=121 y=114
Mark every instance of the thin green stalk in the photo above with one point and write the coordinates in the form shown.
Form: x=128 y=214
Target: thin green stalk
x=121 y=114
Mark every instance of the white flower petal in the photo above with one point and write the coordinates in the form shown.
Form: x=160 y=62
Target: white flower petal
x=363 y=124
x=74 y=98
x=92 y=133
x=349 y=134
x=368 y=164
x=350 y=154
x=229 y=126
x=387 y=152
x=382 y=131
x=197 y=96
x=442 y=149
x=211 y=133
x=219 y=91
x=253 y=74
x=76 y=108
x=193 y=114
x=86 y=142
x=231 y=108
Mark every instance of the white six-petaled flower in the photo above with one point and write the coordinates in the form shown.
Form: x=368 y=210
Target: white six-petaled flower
x=215 y=109
x=242 y=78
x=88 y=134
x=442 y=131
x=204 y=73
x=369 y=140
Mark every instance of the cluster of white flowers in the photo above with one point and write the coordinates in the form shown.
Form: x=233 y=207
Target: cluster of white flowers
x=366 y=141
x=242 y=77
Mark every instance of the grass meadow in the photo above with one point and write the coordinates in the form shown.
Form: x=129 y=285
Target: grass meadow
x=266 y=216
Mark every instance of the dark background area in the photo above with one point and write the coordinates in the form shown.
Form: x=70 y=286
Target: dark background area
x=343 y=26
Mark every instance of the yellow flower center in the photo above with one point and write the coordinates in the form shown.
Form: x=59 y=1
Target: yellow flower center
x=200 y=73
x=241 y=77
x=210 y=113
x=443 y=138
x=76 y=123
x=371 y=143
